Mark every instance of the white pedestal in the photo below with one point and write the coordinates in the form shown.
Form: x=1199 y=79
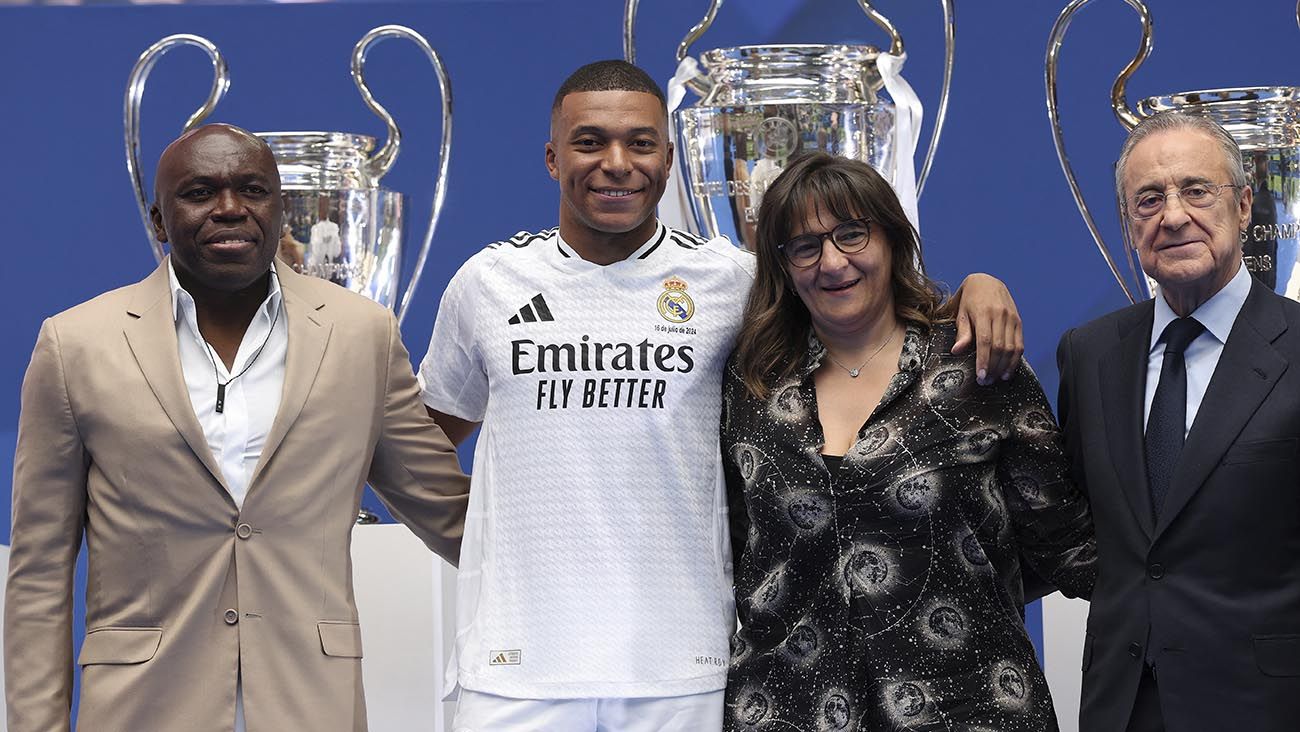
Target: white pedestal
x=406 y=603
x=1064 y=621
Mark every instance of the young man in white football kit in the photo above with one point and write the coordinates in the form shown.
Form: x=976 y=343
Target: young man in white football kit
x=594 y=590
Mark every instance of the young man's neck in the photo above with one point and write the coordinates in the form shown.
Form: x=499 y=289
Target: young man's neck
x=604 y=248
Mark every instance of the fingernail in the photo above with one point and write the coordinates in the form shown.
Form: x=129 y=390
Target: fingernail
x=982 y=374
x=1006 y=376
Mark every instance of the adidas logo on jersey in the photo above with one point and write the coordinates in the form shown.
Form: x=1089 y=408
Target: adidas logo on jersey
x=535 y=310
x=506 y=658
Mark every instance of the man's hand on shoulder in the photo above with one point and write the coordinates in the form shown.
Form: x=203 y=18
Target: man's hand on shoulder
x=987 y=317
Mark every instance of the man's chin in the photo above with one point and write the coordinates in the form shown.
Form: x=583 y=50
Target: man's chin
x=622 y=224
x=227 y=277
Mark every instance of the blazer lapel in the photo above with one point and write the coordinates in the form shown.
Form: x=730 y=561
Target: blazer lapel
x=1123 y=373
x=151 y=336
x=1247 y=371
x=309 y=332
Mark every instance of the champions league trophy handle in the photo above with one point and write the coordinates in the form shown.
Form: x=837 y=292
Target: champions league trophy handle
x=382 y=160
x=629 y=30
x=701 y=83
x=131 y=111
x=1123 y=112
x=941 y=115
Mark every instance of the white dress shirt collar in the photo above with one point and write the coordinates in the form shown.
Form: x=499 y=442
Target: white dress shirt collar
x=1217 y=314
x=183 y=301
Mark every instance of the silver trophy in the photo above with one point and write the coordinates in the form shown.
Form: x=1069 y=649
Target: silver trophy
x=761 y=105
x=340 y=224
x=1265 y=121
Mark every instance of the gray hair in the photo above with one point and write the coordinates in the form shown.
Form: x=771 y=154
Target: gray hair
x=1170 y=121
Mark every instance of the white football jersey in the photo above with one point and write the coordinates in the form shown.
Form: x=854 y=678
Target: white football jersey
x=596 y=560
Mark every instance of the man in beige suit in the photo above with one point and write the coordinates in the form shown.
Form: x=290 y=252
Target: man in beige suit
x=210 y=429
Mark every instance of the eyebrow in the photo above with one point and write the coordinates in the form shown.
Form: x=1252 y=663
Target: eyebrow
x=605 y=132
x=1182 y=183
x=213 y=181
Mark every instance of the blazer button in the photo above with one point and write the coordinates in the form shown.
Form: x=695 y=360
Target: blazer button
x=1135 y=650
x=232 y=616
x=243 y=531
x=1156 y=571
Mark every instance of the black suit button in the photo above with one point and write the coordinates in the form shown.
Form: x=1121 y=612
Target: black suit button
x=1135 y=650
x=1156 y=571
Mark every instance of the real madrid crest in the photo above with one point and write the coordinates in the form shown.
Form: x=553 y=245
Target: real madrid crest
x=674 y=304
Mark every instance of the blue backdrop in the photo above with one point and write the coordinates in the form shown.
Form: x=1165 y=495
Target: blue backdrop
x=996 y=202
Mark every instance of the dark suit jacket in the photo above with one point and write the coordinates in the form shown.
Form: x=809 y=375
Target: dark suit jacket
x=1211 y=592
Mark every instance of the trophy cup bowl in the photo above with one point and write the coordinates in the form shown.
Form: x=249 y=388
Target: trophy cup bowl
x=760 y=106
x=339 y=224
x=767 y=104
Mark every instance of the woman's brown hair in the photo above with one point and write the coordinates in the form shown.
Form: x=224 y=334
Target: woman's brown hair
x=774 y=336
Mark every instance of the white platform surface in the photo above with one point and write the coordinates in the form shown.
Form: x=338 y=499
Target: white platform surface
x=1064 y=621
x=399 y=586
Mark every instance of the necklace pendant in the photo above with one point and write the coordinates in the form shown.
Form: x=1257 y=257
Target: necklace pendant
x=853 y=373
x=221 y=398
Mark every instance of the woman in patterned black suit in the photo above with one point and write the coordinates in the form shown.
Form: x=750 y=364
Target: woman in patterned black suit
x=881 y=500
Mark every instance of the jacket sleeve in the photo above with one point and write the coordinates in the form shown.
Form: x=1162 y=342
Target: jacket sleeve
x=1065 y=409
x=1050 y=515
x=415 y=470
x=49 y=508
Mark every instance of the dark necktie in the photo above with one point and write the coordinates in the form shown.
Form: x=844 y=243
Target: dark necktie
x=1167 y=423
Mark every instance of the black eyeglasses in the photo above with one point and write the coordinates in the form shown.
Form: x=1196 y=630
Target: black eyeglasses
x=849 y=237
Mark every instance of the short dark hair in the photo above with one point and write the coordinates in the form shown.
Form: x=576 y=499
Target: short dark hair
x=610 y=75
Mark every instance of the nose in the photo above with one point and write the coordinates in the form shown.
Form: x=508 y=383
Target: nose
x=616 y=160
x=832 y=257
x=226 y=205
x=1175 y=213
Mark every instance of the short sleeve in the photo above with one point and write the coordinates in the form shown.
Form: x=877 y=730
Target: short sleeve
x=453 y=378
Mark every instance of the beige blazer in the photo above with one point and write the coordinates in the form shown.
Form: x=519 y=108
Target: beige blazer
x=185 y=592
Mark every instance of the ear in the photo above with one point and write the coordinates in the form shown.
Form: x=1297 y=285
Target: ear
x=550 y=161
x=155 y=218
x=1243 y=207
x=671 y=149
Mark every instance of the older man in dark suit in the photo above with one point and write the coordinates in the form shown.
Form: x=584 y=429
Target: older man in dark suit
x=1183 y=420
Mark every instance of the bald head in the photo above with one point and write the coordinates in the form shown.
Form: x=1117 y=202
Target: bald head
x=173 y=156
x=217 y=204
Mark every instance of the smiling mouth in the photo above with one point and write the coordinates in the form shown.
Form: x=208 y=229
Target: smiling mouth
x=841 y=287
x=230 y=244
x=616 y=192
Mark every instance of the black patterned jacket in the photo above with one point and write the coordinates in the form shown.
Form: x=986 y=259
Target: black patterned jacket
x=888 y=595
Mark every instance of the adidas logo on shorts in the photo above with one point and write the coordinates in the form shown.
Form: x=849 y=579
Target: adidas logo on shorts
x=535 y=310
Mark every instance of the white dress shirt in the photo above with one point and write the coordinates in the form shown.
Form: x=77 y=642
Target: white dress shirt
x=1202 y=355
x=237 y=434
